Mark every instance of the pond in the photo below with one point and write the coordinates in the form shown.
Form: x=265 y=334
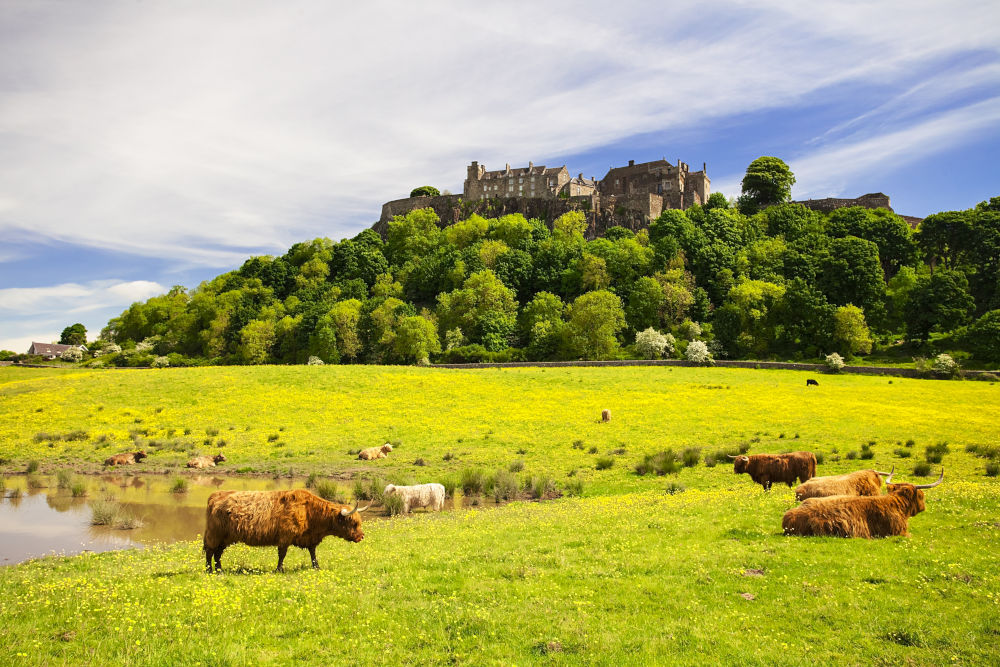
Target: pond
x=37 y=518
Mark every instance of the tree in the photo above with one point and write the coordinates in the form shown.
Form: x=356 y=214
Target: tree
x=749 y=316
x=484 y=308
x=651 y=344
x=767 y=181
x=850 y=331
x=256 y=340
x=595 y=319
x=939 y=302
x=412 y=235
x=645 y=304
x=425 y=191
x=984 y=336
x=75 y=334
x=851 y=273
x=416 y=339
x=888 y=231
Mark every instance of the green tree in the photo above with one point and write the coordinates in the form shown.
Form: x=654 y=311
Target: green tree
x=412 y=235
x=74 y=334
x=345 y=318
x=594 y=321
x=850 y=272
x=939 y=302
x=983 y=337
x=645 y=305
x=850 y=332
x=425 y=191
x=888 y=231
x=756 y=305
x=767 y=181
x=256 y=340
x=416 y=339
x=484 y=308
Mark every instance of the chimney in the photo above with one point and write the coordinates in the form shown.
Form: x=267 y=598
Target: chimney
x=580 y=176
x=531 y=165
x=704 y=167
x=631 y=163
x=508 y=167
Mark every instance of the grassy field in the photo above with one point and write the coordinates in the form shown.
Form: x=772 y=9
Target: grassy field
x=685 y=568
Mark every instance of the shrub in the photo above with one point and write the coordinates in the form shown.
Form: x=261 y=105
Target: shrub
x=160 y=362
x=903 y=453
x=689 y=330
x=820 y=458
x=851 y=455
x=35 y=483
x=540 y=486
x=73 y=354
x=835 y=363
x=662 y=463
x=448 y=456
x=573 y=488
x=331 y=491
x=910 y=442
x=79 y=489
x=651 y=344
x=944 y=366
x=450 y=484
x=103 y=511
x=32 y=466
x=393 y=504
x=471 y=481
x=179 y=485
x=419 y=461
x=690 y=456
x=866 y=452
x=921 y=469
x=311 y=480
x=604 y=462
x=64 y=479
x=697 y=352
x=516 y=466
x=314 y=361
x=992 y=469
x=674 y=487
x=710 y=461
x=934 y=453
x=578 y=444
x=211 y=432
x=504 y=486
x=592 y=450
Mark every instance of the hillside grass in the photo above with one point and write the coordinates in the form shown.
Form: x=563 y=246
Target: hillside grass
x=628 y=574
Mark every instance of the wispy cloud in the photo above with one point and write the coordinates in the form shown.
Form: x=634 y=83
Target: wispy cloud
x=74 y=297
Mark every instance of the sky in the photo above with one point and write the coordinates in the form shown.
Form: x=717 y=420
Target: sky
x=151 y=144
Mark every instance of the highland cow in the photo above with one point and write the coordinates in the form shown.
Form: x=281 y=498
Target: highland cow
x=811 y=383
x=857 y=483
x=375 y=452
x=430 y=496
x=859 y=516
x=605 y=415
x=275 y=519
x=766 y=469
x=205 y=461
x=126 y=459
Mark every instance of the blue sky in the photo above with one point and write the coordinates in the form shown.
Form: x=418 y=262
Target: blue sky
x=144 y=145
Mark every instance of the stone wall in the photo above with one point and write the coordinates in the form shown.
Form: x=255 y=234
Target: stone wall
x=870 y=200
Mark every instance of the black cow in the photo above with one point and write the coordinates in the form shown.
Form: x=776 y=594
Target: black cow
x=812 y=382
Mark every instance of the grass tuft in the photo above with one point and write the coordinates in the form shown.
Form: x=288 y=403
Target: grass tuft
x=604 y=462
x=662 y=463
x=179 y=485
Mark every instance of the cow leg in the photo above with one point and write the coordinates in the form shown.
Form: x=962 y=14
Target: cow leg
x=312 y=555
x=218 y=559
x=281 y=558
x=208 y=559
x=767 y=485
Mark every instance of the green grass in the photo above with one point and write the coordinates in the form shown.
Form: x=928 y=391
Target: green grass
x=694 y=558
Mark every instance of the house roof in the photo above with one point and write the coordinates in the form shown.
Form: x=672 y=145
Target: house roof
x=48 y=348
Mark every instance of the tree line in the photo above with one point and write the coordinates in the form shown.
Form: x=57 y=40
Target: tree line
x=756 y=278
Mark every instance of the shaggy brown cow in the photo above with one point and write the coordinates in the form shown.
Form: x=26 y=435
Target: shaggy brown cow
x=275 y=519
x=125 y=459
x=857 y=483
x=205 y=461
x=375 y=452
x=859 y=516
x=605 y=415
x=765 y=469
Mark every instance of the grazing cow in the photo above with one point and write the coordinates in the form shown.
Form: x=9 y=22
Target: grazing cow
x=375 y=452
x=765 y=469
x=419 y=495
x=126 y=459
x=859 y=516
x=605 y=415
x=205 y=461
x=857 y=483
x=275 y=519
x=811 y=383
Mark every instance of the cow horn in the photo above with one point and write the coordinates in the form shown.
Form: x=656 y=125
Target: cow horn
x=887 y=474
x=732 y=457
x=932 y=484
x=889 y=478
x=344 y=512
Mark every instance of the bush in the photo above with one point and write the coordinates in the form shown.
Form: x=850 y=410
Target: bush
x=540 y=486
x=835 y=363
x=604 y=462
x=472 y=481
x=992 y=469
x=866 y=452
x=944 y=366
x=109 y=512
x=934 y=453
x=73 y=355
x=903 y=453
x=689 y=330
x=516 y=466
x=674 y=487
x=419 y=461
x=662 y=463
x=448 y=456
x=314 y=361
x=690 y=456
x=921 y=469
x=179 y=485
x=573 y=488
x=160 y=362
x=393 y=504
x=450 y=484
x=64 y=479
x=504 y=486
x=78 y=489
x=710 y=461
x=32 y=467
x=820 y=458
x=910 y=442
x=651 y=344
x=331 y=491
x=851 y=455
x=697 y=352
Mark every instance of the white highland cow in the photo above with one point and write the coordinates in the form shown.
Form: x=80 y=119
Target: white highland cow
x=430 y=496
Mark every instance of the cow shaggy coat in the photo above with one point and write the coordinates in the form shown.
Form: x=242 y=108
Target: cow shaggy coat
x=125 y=459
x=857 y=516
x=430 y=496
x=275 y=519
x=857 y=483
x=766 y=469
x=375 y=452
x=205 y=461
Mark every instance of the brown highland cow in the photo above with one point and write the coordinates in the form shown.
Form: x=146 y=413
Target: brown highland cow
x=766 y=469
x=205 y=461
x=857 y=483
x=859 y=516
x=126 y=459
x=275 y=519
x=375 y=452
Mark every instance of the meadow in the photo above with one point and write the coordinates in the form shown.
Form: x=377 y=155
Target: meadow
x=681 y=568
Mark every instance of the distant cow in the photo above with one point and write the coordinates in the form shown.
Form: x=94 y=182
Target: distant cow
x=275 y=519
x=206 y=461
x=859 y=516
x=605 y=415
x=375 y=452
x=857 y=483
x=811 y=383
x=766 y=469
x=126 y=459
x=430 y=496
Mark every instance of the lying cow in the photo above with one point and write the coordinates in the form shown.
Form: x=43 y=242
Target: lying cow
x=430 y=496
x=857 y=483
x=126 y=459
x=206 y=461
x=275 y=519
x=375 y=452
x=859 y=516
x=766 y=469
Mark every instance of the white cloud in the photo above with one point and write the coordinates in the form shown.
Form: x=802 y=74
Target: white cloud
x=207 y=132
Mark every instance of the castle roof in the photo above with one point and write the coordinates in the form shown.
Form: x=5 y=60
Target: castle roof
x=523 y=171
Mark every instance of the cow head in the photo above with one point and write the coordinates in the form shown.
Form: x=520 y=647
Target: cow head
x=389 y=490
x=387 y=448
x=138 y=456
x=740 y=463
x=912 y=494
x=347 y=523
x=219 y=458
